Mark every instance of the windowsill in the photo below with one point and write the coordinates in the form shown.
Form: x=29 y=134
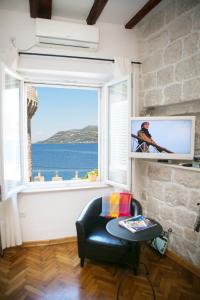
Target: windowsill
x=38 y=187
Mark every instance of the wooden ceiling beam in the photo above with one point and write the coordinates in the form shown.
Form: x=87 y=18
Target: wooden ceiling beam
x=40 y=8
x=95 y=11
x=142 y=13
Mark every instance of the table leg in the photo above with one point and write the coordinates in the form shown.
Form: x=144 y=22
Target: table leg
x=135 y=253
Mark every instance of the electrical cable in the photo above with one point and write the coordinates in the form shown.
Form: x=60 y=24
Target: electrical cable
x=130 y=274
x=149 y=280
x=27 y=49
x=13 y=43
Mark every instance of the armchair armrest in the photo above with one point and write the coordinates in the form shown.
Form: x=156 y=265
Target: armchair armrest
x=85 y=222
x=87 y=218
x=136 y=208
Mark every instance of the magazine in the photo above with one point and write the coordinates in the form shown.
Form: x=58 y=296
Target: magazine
x=136 y=223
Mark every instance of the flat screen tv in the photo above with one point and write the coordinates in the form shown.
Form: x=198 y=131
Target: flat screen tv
x=163 y=137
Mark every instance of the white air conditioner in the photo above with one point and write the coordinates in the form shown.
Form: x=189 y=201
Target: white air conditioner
x=56 y=33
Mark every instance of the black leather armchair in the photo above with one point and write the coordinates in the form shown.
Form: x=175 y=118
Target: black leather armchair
x=94 y=242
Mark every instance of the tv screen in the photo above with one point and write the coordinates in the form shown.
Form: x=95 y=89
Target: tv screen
x=162 y=137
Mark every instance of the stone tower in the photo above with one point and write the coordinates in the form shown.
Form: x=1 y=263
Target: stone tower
x=32 y=104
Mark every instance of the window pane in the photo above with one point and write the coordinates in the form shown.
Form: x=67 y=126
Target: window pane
x=11 y=133
x=64 y=134
x=118 y=133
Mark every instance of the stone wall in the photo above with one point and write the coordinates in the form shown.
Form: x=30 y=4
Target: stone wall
x=170 y=85
x=170 y=195
x=170 y=53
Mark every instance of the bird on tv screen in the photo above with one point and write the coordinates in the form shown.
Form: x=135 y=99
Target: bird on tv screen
x=162 y=137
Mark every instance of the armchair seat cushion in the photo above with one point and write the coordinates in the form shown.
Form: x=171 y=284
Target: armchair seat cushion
x=99 y=235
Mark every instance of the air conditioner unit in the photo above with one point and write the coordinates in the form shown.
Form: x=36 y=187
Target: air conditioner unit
x=57 y=33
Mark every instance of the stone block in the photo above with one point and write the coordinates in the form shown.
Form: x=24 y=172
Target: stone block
x=191 y=252
x=156 y=190
x=173 y=53
x=154 y=23
x=180 y=27
x=159 y=172
x=142 y=167
x=191 y=44
x=170 y=12
x=173 y=93
x=144 y=196
x=184 y=217
x=185 y=5
x=190 y=235
x=197 y=258
x=153 y=97
x=191 y=89
x=158 y=42
x=152 y=207
x=177 y=229
x=196 y=19
x=187 y=178
x=188 y=68
x=176 y=245
x=176 y=195
x=149 y=81
x=152 y=63
x=166 y=212
x=194 y=198
x=165 y=76
x=166 y=223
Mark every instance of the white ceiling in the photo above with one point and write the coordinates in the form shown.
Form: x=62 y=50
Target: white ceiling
x=115 y=11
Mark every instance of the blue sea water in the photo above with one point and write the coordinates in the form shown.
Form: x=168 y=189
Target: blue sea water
x=63 y=159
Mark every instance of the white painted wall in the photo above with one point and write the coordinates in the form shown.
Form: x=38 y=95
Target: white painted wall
x=115 y=41
x=51 y=215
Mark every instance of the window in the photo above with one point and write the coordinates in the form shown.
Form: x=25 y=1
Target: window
x=118 y=132
x=64 y=138
x=11 y=120
x=62 y=132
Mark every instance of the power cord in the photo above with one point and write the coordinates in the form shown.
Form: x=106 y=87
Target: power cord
x=130 y=274
x=13 y=43
x=149 y=280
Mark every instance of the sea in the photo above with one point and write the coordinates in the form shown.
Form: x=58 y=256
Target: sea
x=64 y=160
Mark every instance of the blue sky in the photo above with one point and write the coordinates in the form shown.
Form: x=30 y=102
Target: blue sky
x=174 y=134
x=63 y=109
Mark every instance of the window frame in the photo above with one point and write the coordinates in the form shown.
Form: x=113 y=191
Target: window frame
x=129 y=80
x=3 y=71
x=64 y=184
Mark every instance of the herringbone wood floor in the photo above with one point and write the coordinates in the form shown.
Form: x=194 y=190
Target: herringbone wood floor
x=53 y=273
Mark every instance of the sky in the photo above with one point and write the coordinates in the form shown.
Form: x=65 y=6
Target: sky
x=61 y=109
x=174 y=135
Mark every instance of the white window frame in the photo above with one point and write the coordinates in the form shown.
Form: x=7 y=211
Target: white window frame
x=59 y=185
x=22 y=119
x=129 y=99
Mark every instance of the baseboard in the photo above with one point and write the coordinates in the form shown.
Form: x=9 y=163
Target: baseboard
x=50 y=242
x=185 y=264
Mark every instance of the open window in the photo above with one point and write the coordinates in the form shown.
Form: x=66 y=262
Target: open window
x=11 y=132
x=109 y=149
x=118 y=107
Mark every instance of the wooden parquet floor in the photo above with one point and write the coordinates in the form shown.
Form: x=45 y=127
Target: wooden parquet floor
x=53 y=273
